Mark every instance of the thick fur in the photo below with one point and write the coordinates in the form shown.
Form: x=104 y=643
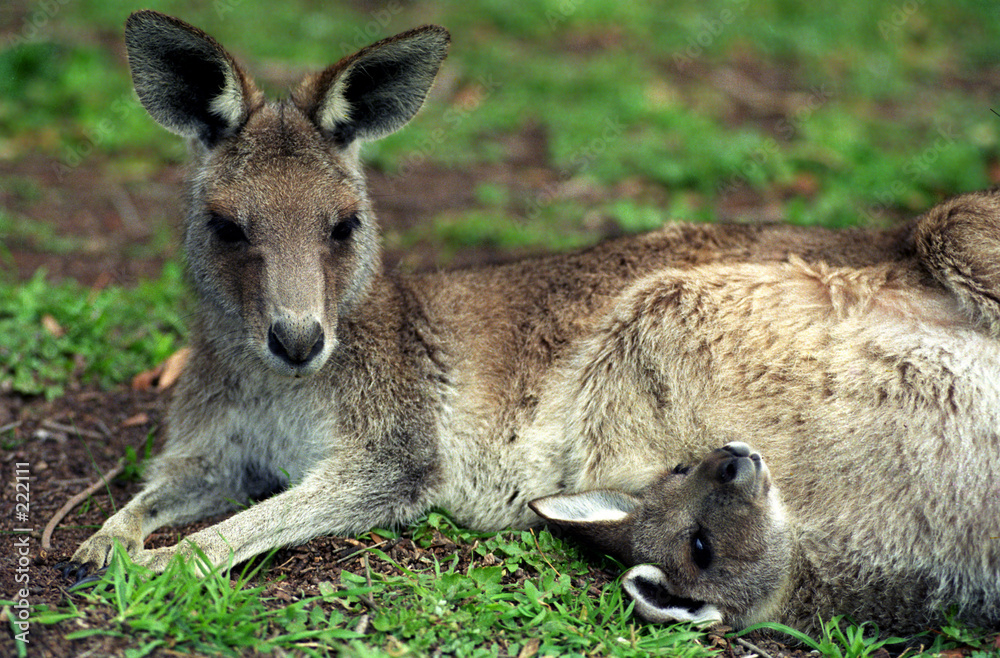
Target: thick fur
x=362 y=397
x=903 y=549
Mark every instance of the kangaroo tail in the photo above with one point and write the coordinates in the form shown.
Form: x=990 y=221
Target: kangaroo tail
x=959 y=243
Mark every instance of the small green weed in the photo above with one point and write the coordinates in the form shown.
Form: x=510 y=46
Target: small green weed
x=852 y=641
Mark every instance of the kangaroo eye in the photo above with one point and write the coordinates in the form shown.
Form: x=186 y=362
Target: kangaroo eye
x=226 y=230
x=343 y=229
x=701 y=552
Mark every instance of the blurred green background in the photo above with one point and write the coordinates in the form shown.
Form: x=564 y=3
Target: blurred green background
x=553 y=124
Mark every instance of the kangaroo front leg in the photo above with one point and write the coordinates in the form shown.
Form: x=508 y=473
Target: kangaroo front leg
x=336 y=497
x=180 y=490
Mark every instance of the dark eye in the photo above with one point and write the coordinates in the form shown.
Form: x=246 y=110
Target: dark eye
x=342 y=230
x=701 y=551
x=226 y=230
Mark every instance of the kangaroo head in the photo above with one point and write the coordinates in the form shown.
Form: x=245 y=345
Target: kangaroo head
x=280 y=237
x=710 y=542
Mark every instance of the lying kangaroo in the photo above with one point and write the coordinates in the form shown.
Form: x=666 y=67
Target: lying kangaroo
x=898 y=533
x=363 y=397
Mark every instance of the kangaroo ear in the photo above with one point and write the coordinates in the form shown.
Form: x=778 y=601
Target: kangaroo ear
x=375 y=91
x=647 y=585
x=602 y=518
x=186 y=81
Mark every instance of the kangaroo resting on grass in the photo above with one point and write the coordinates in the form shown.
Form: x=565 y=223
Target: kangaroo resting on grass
x=342 y=396
x=899 y=535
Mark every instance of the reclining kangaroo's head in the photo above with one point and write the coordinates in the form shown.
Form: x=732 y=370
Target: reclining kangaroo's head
x=280 y=237
x=711 y=542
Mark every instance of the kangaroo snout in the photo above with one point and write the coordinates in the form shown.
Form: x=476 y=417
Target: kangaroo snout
x=736 y=464
x=296 y=343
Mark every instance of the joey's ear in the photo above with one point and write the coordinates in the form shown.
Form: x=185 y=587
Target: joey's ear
x=602 y=518
x=648 y=586
x=375 y=91
x=186 y=81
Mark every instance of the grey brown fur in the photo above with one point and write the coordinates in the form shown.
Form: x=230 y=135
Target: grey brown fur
x=372 y=395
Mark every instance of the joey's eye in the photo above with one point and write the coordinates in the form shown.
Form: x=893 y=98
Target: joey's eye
x=342 y=230
x=701 y=551
x=226 y=230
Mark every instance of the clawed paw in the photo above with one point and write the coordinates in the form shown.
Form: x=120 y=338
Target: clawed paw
x=80 y=573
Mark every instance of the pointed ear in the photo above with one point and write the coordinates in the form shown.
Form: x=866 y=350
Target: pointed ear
x=186 y=81
x=601 y=518
x=647 y=585
x=375 y=91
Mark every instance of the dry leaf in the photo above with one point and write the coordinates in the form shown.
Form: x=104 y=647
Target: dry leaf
x=164 y=375
x=145 y=380
x=172 y=367
x=529 y=649
x=952 y=653
x=52 y=326
x=139 y=419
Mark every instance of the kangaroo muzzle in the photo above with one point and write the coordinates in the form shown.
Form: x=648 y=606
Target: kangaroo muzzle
x=297 y=343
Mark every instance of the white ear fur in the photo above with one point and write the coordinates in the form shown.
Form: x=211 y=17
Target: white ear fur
x=639 y=581
x=383 y=86
x=231 y=104
x=184 y=78
x=601 y=506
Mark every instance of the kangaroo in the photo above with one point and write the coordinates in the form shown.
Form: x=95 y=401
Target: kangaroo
x=897 y=536
x=344 y=396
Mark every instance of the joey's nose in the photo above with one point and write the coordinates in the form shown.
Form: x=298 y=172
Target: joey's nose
x=737 y=449
x=295 y=343
x=737 y=464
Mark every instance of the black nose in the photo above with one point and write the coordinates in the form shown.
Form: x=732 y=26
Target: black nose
x=295 y=344
x=733 y=458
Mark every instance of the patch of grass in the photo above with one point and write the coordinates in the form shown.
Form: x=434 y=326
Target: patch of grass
x=851 y=641
x=55 y=333
x=441 y=608
x=182 y=612
x=17 y=229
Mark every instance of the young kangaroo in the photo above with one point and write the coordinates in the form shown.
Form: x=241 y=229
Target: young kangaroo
x=362 y=397
x=897 y=534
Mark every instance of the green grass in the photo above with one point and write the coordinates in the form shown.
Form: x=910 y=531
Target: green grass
x=881 y=111
x=57 y=333
x=440 y=608
x=469 y=611
x=884 y=108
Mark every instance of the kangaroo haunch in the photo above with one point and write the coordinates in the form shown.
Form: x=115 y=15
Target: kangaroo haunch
x=366 y=396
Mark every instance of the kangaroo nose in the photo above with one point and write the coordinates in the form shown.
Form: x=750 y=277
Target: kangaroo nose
x=295 y=343
x=737 y=449
x=737 y=463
